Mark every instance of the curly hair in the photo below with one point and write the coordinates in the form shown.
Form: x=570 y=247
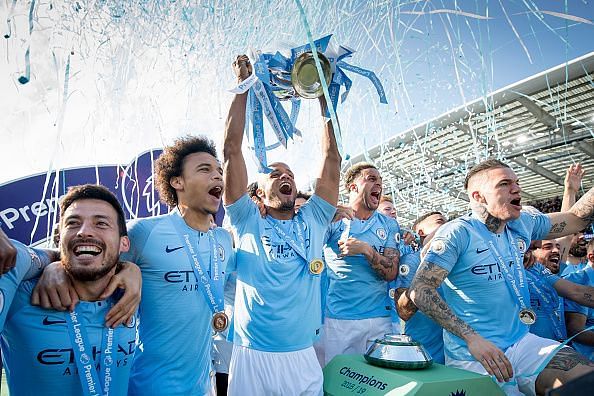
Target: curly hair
x=354 y=171
x=170 y=163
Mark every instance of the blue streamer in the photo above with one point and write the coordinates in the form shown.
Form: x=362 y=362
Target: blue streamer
x=331 y=107
x=370 y=75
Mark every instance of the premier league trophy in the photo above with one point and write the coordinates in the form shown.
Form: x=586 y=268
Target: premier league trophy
x=291 y=78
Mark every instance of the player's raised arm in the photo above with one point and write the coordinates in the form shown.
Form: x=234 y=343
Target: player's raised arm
x=235 y=172
x=329 y=180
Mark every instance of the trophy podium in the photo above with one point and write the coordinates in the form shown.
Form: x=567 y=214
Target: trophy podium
x=353 y=375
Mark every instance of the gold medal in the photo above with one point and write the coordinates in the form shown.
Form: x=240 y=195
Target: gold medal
x=316 y=266
x=527 y=316
x=220 y=322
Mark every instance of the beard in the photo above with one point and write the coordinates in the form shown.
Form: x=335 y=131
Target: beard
x=577 y=250
x=276 y=203
x=83 y=273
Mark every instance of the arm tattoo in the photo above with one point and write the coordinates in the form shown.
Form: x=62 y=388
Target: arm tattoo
x=566 y=359
x=558 y=228
x=423 y=292
x=490 y=221
x=385 y=265
x=584 y=208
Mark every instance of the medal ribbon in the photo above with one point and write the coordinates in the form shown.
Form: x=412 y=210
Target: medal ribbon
x=299 y=246
x=213 y=285
x=93 y=384
x=533 y=280
x=514 y=278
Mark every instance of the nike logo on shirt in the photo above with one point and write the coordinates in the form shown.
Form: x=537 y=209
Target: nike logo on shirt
x=48 y=322
x=480 y=251
x=172 y=250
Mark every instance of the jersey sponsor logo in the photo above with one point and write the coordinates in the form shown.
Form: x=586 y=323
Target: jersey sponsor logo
x=479 y=251
x=280 y=250
x=169 y=250
x=59 y=356
x=48 y=322
x=381 y=234
x=489 y=272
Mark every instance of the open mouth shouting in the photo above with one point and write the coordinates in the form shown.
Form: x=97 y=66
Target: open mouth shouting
x=516 y=203
x=216 y=192
x=555 y=258
x=285 y=188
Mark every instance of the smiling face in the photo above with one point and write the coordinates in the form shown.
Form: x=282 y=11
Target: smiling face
x=277 y=189
x=366 y=189
x=200 y=186
x=499 y=191
x=90 y=241
x=548 y=255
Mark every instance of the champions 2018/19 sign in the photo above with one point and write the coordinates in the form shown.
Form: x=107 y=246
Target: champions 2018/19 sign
x=27 y=213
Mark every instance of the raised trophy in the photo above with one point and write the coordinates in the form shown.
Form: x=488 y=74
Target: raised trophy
x=398 y=351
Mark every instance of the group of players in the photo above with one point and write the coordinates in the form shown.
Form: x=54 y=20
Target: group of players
x=309 y=284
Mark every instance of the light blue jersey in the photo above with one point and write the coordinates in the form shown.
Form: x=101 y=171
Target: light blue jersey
x=567 y=268
x=38 y=352
x=175 y=331
x=546 y=303
x=420 y=327
x=277 y=305
x=29 y=264
x=475 y=287
x=355 y=291
x=584 y=277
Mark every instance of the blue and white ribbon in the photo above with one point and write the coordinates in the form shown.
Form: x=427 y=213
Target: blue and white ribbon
x=265 y=81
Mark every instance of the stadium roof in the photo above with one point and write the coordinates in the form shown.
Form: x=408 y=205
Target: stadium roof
x=539 y=126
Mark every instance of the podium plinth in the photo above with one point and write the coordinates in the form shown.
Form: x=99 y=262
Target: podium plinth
x=352 y=375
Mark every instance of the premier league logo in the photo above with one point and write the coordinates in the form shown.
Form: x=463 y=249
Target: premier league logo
x=437 y=246
x=132 y=323
x=221 y=250
x=1 y=301
x=108 y=361
x=84 y=358
x=397 y=237
x=381 y=234
x=521 y=245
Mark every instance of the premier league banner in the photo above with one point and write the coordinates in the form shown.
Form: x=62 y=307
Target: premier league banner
x=29 y=206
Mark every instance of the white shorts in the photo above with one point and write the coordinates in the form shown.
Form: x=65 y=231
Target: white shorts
x=221 y=353
x=318 y=346
x=352 y=336
x=254 y=372
x=525 y=356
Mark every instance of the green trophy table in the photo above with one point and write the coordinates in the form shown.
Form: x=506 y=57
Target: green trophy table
x=352 y=375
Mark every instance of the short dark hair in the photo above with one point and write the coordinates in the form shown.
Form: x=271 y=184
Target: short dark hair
x=304 y=195
x=170 y=163
x=482 y=166
x=386 y=198
x=354 y=171
x=252 y=190
x=94 y=191
x=423 y=218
